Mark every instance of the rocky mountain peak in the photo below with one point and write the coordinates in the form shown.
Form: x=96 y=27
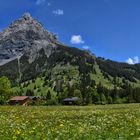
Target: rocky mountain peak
x=24 y=36
x=26 y=22
x=27 y=16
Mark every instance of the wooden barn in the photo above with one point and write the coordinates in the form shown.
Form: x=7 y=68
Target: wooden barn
x=71 y=101
x=20 y=100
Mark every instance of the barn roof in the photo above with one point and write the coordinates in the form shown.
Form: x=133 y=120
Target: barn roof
x=71 y=99
x=19 y=98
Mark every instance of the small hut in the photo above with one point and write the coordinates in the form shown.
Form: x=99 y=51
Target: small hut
x=71 y=101
x=20 y=100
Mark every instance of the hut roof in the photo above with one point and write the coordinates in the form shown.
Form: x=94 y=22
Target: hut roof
x=19 y=98
x=71 y=99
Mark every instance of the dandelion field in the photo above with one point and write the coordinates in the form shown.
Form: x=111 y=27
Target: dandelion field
x=108 y=122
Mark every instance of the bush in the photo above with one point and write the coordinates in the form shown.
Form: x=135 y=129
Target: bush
x=51 y=102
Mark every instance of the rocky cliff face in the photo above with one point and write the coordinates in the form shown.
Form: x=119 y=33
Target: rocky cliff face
x=25 y=35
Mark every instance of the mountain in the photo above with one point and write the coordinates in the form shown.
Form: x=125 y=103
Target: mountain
x=26 y=49
x=31 y=54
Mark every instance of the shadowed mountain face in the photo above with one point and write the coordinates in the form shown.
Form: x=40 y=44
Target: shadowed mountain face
x=28 y=50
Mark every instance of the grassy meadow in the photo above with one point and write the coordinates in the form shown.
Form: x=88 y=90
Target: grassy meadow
x=106 y=122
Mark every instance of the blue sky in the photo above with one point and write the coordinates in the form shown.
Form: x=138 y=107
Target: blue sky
x=109 y=28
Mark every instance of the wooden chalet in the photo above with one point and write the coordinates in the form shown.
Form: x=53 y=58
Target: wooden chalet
x=20 y=100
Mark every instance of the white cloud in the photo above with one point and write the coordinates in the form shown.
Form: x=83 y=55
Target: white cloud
x=77 y=39
x=130 y=61
x=136 y=59
x=38 y=2
x=85 y=47
x=58 y=12
x=133 y=60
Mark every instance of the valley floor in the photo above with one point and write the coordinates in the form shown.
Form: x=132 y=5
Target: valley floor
x=106 y=122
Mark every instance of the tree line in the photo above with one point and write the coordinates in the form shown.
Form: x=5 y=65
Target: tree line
x=87 y=92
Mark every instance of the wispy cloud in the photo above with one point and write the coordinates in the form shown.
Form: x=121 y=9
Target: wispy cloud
x=77 y=39
x=49 y=4
x=133 y=60
x=86 y=47
x=39 y=2
x=58 y=12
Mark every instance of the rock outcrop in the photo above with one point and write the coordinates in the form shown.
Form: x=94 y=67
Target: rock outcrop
x=25 y=35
